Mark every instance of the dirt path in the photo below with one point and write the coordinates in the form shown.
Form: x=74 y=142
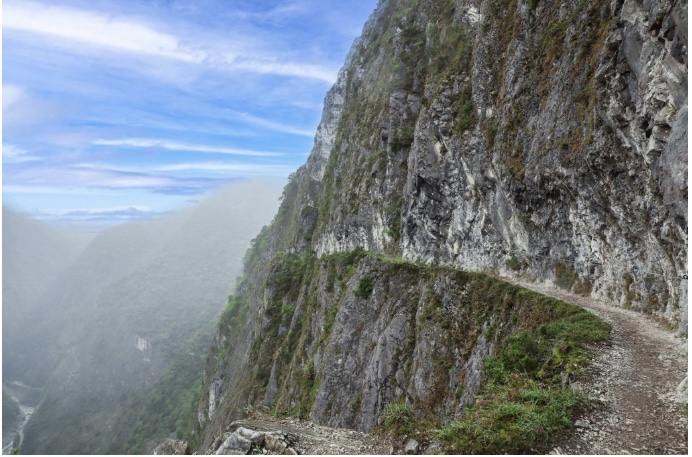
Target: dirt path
x=635 y=378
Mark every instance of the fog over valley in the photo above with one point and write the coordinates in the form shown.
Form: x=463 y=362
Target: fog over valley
x=103 y=341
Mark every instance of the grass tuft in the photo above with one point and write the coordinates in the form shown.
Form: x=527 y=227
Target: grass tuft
x=397 y=419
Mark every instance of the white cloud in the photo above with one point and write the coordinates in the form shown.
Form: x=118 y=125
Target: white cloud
x=258 y=121
x=132 y=35
x=239 y=168
x=174 y=146
x=21 y=109
x=12 y=95
x=274 y=67
x=277 y=14
x=14 y=154
x=53 y=190
x=75 y=177
x=123 y=34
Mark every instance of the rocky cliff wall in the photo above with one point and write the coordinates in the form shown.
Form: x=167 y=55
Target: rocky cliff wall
x=543 y=138
x=538 y=139
x=341 y=338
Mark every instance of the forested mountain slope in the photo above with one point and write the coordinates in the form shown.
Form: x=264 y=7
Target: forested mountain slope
x=34 y=255
x=118 y=342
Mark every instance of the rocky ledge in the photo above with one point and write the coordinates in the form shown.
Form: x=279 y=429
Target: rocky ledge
x=266 y=434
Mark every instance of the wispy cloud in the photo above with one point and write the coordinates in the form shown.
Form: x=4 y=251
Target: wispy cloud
x=274 y=67
x=175 y=146
x=123 y=34
x=249 y=169
x=14 y=154
x=128 y=212
x=12 y=94
x=75 y=179
x=85 y=177
x=52 y=190
x=66 y=25
x=264 y=123
x=108 y=216
x=276 y=14
x=21 y=110
x=180 y=190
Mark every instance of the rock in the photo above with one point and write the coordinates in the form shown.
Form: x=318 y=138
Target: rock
x=235 y=445
x=241 y=441
x=433 y=448
x=581 y=424
x=681 y=392
x=172 y=447
x=412 y=447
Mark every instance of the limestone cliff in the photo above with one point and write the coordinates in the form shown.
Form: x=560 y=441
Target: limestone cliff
x=542 y=139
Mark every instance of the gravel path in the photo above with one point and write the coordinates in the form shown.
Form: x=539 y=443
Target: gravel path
x=634 y=377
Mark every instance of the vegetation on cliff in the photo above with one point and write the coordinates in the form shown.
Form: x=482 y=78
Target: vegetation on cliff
x=535 y=347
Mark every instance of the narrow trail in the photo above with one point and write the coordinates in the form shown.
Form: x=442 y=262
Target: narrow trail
x=634 y=377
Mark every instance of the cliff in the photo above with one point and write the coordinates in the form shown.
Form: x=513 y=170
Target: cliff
x=538 y=139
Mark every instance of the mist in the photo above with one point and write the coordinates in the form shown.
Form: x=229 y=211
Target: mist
x=103 y=340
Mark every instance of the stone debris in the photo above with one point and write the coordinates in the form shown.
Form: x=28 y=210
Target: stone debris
x=412 y=447
x=172 y=447
x=681 y=392
x=582 y=424
x=268 y=435
x=245 y=441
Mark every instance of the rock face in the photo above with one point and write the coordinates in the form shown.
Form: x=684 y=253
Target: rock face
x=540 y=139
x=172 y=447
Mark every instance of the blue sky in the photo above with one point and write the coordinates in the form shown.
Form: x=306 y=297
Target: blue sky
x=132 y=108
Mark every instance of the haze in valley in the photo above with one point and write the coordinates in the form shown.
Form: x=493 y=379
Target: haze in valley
x=104 y=339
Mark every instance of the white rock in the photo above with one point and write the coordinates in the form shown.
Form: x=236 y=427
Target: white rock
x=412 y=447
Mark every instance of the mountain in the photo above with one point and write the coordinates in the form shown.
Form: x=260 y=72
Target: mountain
x=464 y=140
x=34 y=255
x=123 y=332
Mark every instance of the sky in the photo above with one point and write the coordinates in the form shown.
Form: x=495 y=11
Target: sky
x=114 y=110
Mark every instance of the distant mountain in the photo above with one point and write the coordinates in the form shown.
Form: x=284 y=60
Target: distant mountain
x=136 y=311
x=34 y=255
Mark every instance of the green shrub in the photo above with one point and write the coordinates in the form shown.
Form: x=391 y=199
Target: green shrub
x=511 y=420
x=329 y=322
x=398 y=419
x=520 y=352
x=491 y=133
x=365 y=287
x=464 y=111
x=513 y=264
x=394 y=225
x=402 y=138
